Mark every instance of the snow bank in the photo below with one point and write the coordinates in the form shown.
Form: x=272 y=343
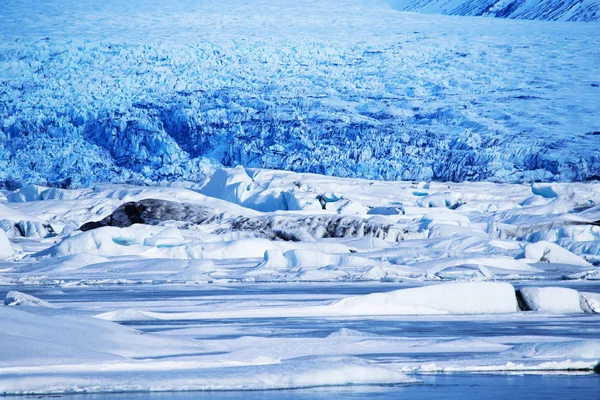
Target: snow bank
x=274 y=259
x=255 y=248
x=105 y=241
x=456 y=298
x=552 y=253
x=36 y=193
x=590 y=302
x=551 y=299
x=14 y=298
x=441 y=200
x=236 y=186
x=6 y=250
x=111 y=241
x=292 y=374
x=125 y=315
x=26 y=193
x=167 y=238
x=63 y=338
x=581 y=233
x=567 y=349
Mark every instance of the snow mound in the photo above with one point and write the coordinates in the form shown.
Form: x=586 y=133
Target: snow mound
x=441 y=200
x=270 y=375
x=590 y=302
x=63 y=338
x=235 y=185
x=255 y=248
x=105 y=241
x=550 y=299
x=34 y=229
x=347 y=332
x=36 y=193
x=6 y=250
x=14 y=298
x=167 y=238
x=552 y=253
x=274 y=259
x=391 y=273
x=367 y=243
x=125 y=315
x=578 y=349
x=455 y=298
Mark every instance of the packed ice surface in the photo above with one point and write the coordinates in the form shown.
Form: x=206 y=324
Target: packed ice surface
x=554 y=10
x=148 y=91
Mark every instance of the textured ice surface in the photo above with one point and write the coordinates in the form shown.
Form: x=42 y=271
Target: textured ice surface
x=317 y=228
x=553 y=10
x=149 y=91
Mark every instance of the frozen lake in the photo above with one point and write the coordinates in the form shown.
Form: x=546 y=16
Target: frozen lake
x=467 y=387
x=386 y=329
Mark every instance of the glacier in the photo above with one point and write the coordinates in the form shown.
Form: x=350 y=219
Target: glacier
x=334 y=196
x=144 y=92
x=546 y=10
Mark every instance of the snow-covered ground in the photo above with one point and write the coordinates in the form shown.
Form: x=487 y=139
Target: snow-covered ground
x=139 y=91
x=266 y=279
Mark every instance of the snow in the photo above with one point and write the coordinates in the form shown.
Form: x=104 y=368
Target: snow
x=14 y=298
x=551 y=299
x=452 y=298
x=551 y=252
x=293 y=375
x=590 y=302
x=167 y=238
x=456 y=298
x=5 y=246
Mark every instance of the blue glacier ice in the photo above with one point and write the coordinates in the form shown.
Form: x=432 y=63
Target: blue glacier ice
x=148 y=91
x=550 y=10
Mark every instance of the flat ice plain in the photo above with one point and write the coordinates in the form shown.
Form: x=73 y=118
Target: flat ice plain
x=163 y=270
